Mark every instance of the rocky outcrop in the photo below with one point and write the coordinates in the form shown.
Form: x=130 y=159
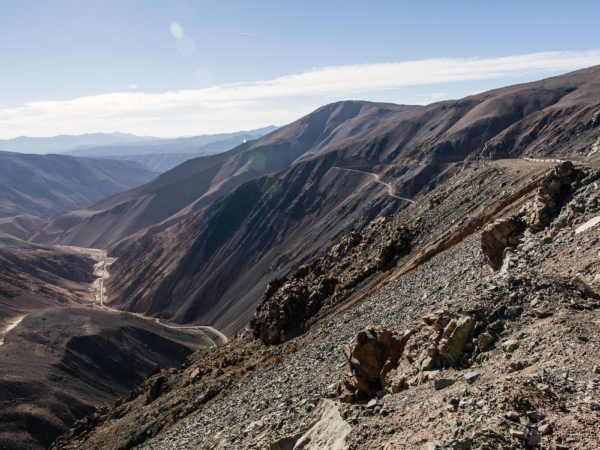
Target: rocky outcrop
x=551 y=194
x=558 y=187
x=496 y=237
x=371 y=356
x=288 y=304
x=379 y=365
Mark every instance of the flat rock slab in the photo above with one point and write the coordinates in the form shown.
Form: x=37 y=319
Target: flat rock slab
x=442 y=383
x=471 y=377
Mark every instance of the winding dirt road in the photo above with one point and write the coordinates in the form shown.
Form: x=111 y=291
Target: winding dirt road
x=377 y=179
x=101 y=271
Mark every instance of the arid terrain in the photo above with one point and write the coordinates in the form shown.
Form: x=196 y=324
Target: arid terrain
x=369 y=276
x=523 y=373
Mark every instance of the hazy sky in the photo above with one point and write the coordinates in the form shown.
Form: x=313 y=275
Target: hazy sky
x=174 y=68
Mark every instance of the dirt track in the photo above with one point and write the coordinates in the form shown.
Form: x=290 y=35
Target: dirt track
x=101 y=271
x=377 y=179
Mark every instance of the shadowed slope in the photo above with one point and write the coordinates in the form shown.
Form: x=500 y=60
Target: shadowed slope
x=198 y=182
x=212 y=267
x=59 y=364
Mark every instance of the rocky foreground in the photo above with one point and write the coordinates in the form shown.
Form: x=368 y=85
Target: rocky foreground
x=479 y=330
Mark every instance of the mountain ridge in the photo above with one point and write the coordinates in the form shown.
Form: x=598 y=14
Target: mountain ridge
x=46 y=186
x=228 y=251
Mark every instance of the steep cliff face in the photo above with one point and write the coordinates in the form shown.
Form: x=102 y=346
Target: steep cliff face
x=213 y=266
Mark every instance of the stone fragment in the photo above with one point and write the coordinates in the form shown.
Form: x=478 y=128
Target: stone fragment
x=510 y=346
x=516 y=365
x=533 y=438
x=398 y=384
x=594 y=406
x=329 y=432
x=442 y=383
x=427 y=363
x=544 y=388
x=485 y=341
x=545 y=429
x=516 y=433
x=512 y=415
x=535 y=416
x=471 y=377
x=542 y=313
x=495 y=238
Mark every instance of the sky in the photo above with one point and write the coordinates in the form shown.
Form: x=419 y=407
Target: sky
x=180 y=68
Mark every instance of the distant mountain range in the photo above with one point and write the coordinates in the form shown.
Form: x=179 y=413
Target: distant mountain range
x=63 y=143
x=157 y=153
x=164 y=154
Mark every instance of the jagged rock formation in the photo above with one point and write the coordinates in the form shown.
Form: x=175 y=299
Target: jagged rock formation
x=496 y=237
x=536 y=214
x=288 y=305
x=371 y=355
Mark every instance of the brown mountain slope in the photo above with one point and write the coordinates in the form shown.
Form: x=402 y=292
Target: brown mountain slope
x=60 y=364
x=198 y=182
x=212 y=267
x=35 y=277
x=61 y=353
x=46 y=186
x=494 y=359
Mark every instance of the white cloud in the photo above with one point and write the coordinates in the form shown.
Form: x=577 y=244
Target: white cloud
x=220 y=104
x=248 y=34
x=133 y=86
